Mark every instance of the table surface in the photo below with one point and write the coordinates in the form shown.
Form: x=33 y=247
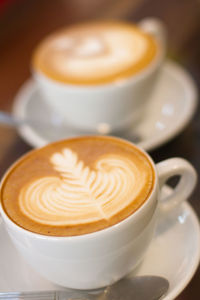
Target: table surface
x=24 y=23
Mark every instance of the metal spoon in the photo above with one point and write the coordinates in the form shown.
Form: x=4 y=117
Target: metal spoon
x=58 y=124
x=8 y=119
x=136 y=288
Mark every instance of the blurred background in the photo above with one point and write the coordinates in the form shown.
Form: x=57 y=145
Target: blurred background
x=23 y=23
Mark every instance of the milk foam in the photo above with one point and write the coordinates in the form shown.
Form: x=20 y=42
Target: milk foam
x=79 y=46
x=95 y=56
x=82 y=194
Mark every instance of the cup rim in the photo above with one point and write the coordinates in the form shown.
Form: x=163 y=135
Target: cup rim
x=150 y=67
x=135 y=77
x=91 y=235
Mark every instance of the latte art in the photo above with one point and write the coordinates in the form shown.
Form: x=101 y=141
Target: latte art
x=81 y=194
x=79 y=47
x=77 y=186
x=94 y=53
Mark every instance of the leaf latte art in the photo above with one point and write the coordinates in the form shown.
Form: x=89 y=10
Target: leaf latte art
x=82 y=194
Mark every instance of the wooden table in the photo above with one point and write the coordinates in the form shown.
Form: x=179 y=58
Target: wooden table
x=22 y=25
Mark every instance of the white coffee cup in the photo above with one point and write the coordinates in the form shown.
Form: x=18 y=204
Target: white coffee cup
x=107 y=107
x=100 y=258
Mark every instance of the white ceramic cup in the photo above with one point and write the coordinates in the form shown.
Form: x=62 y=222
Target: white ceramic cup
x=100 y=258
x=108 y=107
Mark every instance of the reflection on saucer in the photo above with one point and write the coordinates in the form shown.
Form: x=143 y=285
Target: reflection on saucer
x=171 y=107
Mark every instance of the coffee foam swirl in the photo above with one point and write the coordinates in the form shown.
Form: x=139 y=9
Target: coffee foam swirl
x=82 y=194
x=84 y=56
x=79 y=46
x=94 y=52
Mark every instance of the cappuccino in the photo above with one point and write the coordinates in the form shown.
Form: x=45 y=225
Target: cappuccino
x=77 y=186
x=95 y=53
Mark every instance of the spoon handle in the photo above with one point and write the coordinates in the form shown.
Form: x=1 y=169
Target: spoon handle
x=7 y=119
x=46 y=295
x=137 y=288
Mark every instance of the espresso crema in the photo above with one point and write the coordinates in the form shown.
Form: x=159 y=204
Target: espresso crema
x=94 y=53
x=77 y=186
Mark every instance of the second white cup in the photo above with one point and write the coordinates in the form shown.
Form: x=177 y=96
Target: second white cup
x=106 y=107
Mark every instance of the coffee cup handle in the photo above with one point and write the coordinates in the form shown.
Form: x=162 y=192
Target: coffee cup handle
x=188 y=178
x=156 y=28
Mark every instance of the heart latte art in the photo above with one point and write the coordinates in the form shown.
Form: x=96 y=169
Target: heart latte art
x=94 y=53
x=78 y=186
x=81 y=194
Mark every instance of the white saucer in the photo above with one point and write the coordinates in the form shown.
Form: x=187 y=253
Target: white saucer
x=174 y=253
x=170 y=109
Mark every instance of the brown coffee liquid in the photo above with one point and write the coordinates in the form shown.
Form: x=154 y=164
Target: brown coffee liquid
x=94 y=53
x=77 y=186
